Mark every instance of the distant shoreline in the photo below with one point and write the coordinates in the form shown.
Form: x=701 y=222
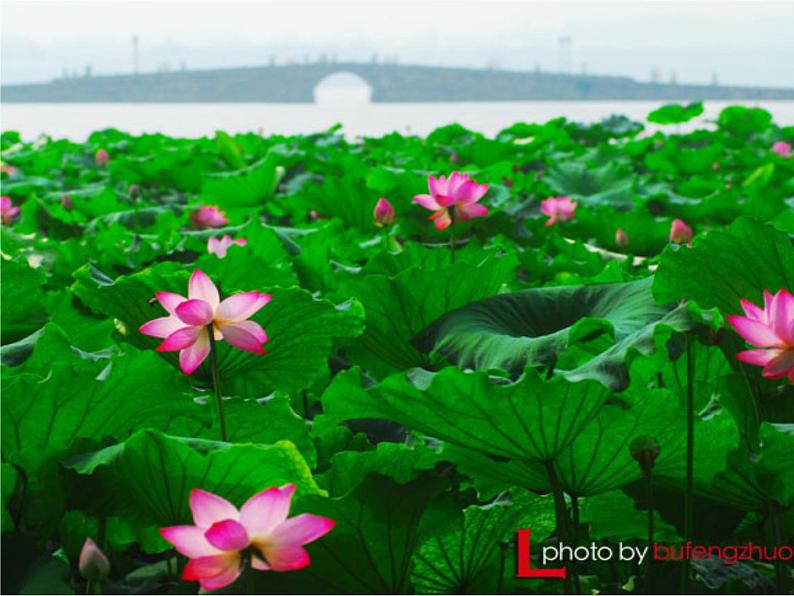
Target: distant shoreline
x=390 y=83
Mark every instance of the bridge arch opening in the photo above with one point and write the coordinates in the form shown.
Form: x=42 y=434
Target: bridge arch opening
x=342 y=88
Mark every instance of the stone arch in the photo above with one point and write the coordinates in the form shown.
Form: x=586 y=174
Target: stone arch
x=343 y=86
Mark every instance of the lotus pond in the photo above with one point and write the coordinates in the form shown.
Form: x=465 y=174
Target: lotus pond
x=311 y=364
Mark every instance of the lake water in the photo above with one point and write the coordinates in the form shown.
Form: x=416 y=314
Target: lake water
x=76 y=121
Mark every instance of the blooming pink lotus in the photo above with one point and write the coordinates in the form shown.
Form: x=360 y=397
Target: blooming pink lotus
x=782 y=148
x=384 y=213
x=621 y=238
x=224 y=538
x=209 y=216
x=102 y=158
x=772 y=330
x=558 y=209
x=680 y=233
x=219 y=247
x=185 y=329
x=7 y=210
x=454 y=198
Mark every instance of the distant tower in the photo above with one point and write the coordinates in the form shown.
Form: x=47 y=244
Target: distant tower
x=87 y=70
x=565 y=44
x=135 y=63
x=656 y=75
x=673 y=78
x=715 y=80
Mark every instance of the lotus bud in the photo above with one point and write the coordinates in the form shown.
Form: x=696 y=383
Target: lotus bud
x=135 y=191
x=621 y=239
x=102 y=158
x=384 y=213
x=645 y=450
x=680 y=233
x=67 y=202
x=94 y=565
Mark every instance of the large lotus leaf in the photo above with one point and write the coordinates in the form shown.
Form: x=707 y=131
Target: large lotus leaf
x=674 y=113
x=399 y=307
x=301 y=329
x=535 y=327
x=262 y=421
x=609 y=184
x=613 y=515
x=131 y=391
x=752 y=478
x=725 y=265
x=149 y=476
x=379 y=527
x=600 y=460
x=247 y=187
x=21 y=293
x=468 y=558
x=530 y=419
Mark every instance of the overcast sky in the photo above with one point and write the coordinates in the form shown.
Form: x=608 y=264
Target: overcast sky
x=742 y=42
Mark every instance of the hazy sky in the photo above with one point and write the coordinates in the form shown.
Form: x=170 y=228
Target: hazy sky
x=742 y=42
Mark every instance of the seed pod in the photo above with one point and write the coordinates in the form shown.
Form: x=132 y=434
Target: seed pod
x=645 y=450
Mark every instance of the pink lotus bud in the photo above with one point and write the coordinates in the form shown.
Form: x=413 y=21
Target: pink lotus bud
x=94 y=565
x=8 y=169
x=314 y=214
x=782 y=148
x=621 y=239
x=66 y=202
x=507 y=182
x=384 y=213
x=135 y=190
x=102 y=158
x=7 y=210
x=680 y=233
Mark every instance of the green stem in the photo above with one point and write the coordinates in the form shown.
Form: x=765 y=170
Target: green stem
x=649 y=497
x=561 y=514
x=689 y=494
x=452 y=232
x=778 y=527
x=500 y=579
x=216 y=383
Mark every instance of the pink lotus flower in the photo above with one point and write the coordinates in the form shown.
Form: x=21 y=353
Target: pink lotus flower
x=384 y=213
x=7 y=169
x=558 y=209
x=185 y=329
x=772 y=330
x=680 y=233
x=93 y=563
x=209 y=216
x=223 y=537
x=7 y=210
x=102 y=158
x=782 y=148
x=621 y=238
x=456 y=196
x=219 y=247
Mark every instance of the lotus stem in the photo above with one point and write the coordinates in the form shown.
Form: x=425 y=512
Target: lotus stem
x=561 y=514
x=689 y=494
x=649 y=498
x=452 y=232
x=216 y=383
x=778 y=527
